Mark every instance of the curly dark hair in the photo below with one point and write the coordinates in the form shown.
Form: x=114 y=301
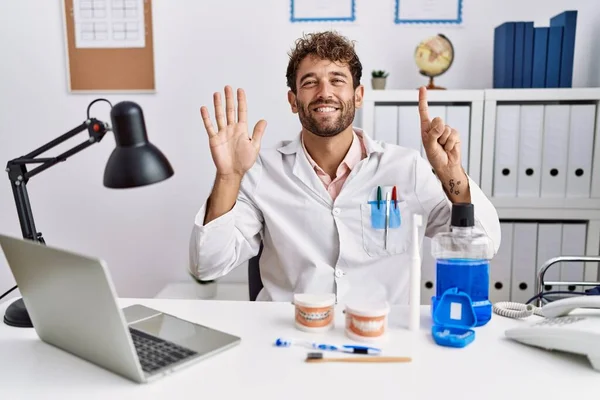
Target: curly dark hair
x=328 y=45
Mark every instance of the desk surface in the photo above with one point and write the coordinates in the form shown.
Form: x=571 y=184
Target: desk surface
x=492 y=367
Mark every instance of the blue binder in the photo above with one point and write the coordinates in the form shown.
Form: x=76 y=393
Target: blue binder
x=528 y=55
x=518 y=56
x=568 y=21
x=540 y=48
x=553 y=59
x=504 y=44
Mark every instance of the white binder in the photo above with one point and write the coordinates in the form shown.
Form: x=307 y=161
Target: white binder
x=573 y=244
x=549 y=246
x=506 y=151
x=555 y=150
x=409 y=127
x=500 y=266
x=581 y=147
x=459 y=118
x=530 y=151
x=428 y=273
x=524 y=254
x=386 y=123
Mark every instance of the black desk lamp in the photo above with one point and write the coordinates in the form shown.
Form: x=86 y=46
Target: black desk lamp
x=134 y=162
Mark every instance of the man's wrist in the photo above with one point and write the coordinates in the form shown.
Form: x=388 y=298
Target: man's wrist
x=456 y=184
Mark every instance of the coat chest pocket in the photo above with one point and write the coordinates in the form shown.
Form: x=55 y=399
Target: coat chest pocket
x=373 y=228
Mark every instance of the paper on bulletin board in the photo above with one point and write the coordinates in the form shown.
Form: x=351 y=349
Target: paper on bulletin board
x=322 y=10
x=429 y=12
x=109 y=23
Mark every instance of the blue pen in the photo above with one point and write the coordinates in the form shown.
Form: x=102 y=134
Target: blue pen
x=280 y=342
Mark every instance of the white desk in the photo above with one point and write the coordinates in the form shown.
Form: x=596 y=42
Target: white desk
x=492 y=367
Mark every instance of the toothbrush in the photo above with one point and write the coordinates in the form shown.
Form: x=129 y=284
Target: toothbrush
x=281 y=342
x=415 y=277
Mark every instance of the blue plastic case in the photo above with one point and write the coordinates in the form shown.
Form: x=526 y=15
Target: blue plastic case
x=452 y=319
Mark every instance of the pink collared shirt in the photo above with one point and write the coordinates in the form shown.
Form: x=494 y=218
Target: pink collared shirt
x=356 y=153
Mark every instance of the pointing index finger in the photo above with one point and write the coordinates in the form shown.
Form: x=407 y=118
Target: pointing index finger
x=423 y=108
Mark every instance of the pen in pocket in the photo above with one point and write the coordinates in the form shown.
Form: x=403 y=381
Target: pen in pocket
x=387 y=216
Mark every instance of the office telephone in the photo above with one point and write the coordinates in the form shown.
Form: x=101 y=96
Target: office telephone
x=562 y=330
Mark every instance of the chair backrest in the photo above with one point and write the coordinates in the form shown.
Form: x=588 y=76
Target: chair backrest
x=255 y=284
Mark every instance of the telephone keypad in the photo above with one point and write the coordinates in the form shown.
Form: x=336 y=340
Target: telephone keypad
x=559 y=321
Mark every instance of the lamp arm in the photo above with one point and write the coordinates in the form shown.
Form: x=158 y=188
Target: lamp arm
x=19 y=176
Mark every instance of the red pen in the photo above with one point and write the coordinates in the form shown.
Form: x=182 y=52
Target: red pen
x=394 y=198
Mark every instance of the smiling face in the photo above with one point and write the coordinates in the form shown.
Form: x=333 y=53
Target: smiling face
x=325 y=98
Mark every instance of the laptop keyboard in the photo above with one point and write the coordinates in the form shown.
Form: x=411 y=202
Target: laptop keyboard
x=155 y=353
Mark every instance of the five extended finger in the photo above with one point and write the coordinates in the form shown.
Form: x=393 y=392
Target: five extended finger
x=259 y=130
x=242 y=106
x=229 y=105
x=219 y=115
x=207 y=123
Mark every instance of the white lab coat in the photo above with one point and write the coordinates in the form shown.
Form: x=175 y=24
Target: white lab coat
x=313 y=244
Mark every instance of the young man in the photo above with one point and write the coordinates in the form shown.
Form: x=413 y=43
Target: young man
x=311 y=201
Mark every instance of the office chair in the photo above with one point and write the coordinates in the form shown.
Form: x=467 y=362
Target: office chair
x=254 y=281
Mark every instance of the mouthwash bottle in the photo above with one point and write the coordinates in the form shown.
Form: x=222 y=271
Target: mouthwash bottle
x=463 y=261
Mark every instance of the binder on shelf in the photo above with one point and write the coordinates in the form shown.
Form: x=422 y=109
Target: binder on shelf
x=409 y=127
x=581 y=147
x=527 y=54
x=504 y=42
x=568 y=21
x=500 y=266
x=459 y=117
x=540 y=49
x=549 y=241
x=428 y=272
x=529 y=57
x=573 y=244
x=386 y=123
x=506 y=151
x=553 y=58
x=524 y=257
x=518 y=56
x=529 y=174
x=555 y=150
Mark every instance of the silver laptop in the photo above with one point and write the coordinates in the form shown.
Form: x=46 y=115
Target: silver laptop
x=72 y=304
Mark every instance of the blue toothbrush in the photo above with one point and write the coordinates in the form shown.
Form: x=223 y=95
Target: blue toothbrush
x=280 y=342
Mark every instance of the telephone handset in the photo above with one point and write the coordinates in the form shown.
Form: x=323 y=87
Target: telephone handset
x=562 y=330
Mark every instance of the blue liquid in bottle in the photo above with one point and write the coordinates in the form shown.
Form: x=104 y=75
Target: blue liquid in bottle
x=463 y=261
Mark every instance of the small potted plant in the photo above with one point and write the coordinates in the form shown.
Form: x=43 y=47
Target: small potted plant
x=378 y=79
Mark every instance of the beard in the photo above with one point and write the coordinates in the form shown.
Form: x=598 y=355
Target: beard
x=326 y=126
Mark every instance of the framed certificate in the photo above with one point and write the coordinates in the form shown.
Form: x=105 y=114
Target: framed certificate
x=429 y=12
x=322 y=10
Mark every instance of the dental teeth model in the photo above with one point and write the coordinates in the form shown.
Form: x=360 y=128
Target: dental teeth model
x=366 y=322
x=314 y=312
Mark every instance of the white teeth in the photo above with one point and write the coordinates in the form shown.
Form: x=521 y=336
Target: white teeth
x=314 y=316
x=368 y=326
x=325 y=109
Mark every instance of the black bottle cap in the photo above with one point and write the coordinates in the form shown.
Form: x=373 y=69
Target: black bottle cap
x=463 y=215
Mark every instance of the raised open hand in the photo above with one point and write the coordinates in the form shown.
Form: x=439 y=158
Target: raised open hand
x=441 y=142
x=233 y=150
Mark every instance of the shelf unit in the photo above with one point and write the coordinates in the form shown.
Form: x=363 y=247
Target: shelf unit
x=482 y=138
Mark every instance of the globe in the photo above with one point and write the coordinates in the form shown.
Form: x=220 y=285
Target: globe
x=433 y=57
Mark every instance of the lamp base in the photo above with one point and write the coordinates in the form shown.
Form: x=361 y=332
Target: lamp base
x=16 y=315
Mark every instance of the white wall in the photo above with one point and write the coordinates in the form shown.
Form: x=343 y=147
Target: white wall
x=199 y=47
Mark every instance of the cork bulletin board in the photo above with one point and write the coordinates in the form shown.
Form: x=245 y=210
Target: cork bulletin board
x=109 y=45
